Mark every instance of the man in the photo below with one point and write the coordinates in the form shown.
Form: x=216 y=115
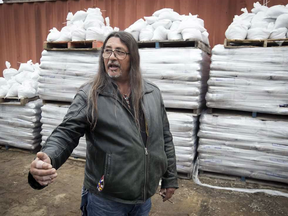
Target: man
x=129 y=144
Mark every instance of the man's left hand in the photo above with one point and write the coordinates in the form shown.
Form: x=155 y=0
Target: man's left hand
x=167 y=193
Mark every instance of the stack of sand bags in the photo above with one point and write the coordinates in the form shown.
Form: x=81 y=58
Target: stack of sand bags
x=249 y=79
x=183 y=127
x=180 y=73
x=244 y=146
x=83 y=25
x=52 y=116
x=166 y=24
x=21 y=83
x=62 y=73
x=262 y=23
x=20 y=125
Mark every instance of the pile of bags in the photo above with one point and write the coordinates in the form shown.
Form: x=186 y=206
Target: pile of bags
x=183 y=127
x=166 y=24
x=62 y=73
x=52 y=116
x=83 y=25
x=249 y=79
x=20 y=125
x=244 y=146
x=21 y=83
x=262 y=23
x=180 y=73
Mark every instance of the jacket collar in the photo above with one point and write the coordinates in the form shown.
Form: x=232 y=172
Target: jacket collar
x=111 y=88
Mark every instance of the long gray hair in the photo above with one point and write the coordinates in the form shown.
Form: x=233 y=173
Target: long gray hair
x=102 y=79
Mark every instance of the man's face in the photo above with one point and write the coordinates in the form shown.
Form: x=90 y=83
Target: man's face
x=117 y=68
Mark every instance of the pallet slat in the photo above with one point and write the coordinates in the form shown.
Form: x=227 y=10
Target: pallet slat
x=233 y=43
x=17 y=101
x=73 y=45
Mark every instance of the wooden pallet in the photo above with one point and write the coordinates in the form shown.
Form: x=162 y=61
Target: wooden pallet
x=175 y=43
x=231 y=43
x=16 y=100
x=183 y=175
x=241 y=179
x=262 y=116
x=192 y=111
x=73 y=45
x=56 y=102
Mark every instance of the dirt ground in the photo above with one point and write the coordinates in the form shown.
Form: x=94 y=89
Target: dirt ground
x=63 y=196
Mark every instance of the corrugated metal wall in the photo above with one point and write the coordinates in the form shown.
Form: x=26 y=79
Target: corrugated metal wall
x=24 y=26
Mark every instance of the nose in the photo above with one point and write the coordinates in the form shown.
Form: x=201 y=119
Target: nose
x=112 y=56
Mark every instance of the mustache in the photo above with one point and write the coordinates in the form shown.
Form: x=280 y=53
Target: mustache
x=113 y=63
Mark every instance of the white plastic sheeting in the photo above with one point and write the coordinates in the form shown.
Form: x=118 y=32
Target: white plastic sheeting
x=52 y=116
x=249 y=79
x=62 y=73
x=184 y=127
x=180 y=73
x=244 y=146
x=20 y=125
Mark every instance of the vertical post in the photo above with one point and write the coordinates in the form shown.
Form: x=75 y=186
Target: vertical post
x=157 y=45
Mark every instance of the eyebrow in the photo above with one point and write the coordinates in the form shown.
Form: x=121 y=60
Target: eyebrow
x=118 y=48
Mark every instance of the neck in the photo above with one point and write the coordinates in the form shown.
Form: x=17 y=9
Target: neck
x=124 y=88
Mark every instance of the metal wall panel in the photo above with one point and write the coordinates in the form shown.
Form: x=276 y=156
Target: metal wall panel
x=25 y=26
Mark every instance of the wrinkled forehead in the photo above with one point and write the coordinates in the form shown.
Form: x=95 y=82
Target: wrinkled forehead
x=116 y=43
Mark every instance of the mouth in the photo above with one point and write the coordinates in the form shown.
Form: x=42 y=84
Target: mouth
x=113 y=66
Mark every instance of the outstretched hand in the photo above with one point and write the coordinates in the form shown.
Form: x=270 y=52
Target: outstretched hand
x=42 y=170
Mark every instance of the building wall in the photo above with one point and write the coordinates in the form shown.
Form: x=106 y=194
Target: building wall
x=25 y=26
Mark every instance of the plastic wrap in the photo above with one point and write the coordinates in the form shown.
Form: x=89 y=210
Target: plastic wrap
x=244 y=146
x=248 y=79
x=20 y=125
x=62 y=73
x=182 y=78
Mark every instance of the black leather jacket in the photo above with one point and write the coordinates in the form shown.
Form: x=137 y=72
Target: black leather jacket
x=115 y=148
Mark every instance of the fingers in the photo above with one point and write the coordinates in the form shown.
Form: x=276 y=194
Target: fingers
x=167 y=193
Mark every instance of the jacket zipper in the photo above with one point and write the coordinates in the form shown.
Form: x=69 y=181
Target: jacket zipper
x=145 y=146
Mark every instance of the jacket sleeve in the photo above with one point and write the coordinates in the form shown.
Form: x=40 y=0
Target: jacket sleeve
x=65 y=137
x=169 y=179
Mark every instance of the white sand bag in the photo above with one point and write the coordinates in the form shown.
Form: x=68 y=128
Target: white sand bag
x=175 y=25
x=94 y=17
x=26 y=91
x=258 y=34
x=3 y=90
x=282 y=21
x=13 y=91
x=278 y=33
x=205 y=37
x=158 y=12
x=107 y=30
x=146 y=34
x=192 y=34
x=9 y=72
x=160 y=33
x=79 y=16
x=53 y=35
x=236 y=31
x=277 y=10
x=135 y=34
x=69 y=16
x=93 y=23
x=26 y=66
x=171 y=15
x=3 y=81
x=78 y=35
x=166 y=23
x=191 y=22
x=151 y=19
x=94 y=33
x=174 y=35
x=22 y=76
x=137 y=26
x=258 y=8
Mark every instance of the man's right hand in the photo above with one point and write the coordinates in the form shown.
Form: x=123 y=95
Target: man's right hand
x=42 y=170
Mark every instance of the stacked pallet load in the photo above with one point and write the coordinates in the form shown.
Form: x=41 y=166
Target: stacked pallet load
x=69 y=60
x=20 y=111
x=52 y=116
x=174 y=54
x=20 y=123
x=245 y=131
